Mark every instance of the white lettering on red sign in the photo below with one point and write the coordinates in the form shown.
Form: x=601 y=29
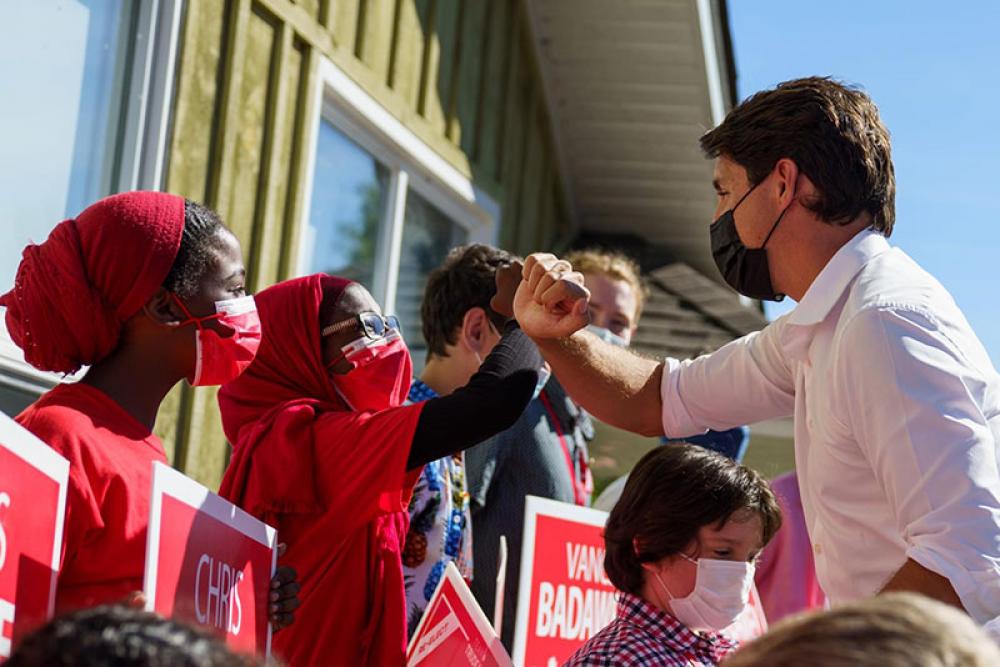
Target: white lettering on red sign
x=576 y=612
x=217 y=584
x=570 y=612
x=585 y=562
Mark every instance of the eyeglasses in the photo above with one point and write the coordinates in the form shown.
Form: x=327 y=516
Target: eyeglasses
x=372 y=324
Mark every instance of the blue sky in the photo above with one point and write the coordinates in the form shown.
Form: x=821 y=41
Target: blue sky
x=932 y=69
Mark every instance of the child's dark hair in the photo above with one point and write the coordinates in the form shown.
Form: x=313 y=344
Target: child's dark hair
x=465 y=280
x=199 y=241
x=671 y=493
x=116 y=635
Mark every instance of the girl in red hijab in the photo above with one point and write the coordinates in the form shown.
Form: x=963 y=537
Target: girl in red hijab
x=324 y=449
x=145 y=288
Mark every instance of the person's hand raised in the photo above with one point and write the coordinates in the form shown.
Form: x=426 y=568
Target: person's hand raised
x=551 y=301
x=507 y=278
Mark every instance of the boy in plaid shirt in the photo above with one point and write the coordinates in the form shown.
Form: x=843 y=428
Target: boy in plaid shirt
x=680 y=546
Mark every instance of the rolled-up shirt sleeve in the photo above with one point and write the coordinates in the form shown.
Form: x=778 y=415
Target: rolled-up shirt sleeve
x=915 y=409
x=746 y=381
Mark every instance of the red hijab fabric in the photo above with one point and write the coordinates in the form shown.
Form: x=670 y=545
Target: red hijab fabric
x=331 y=480
x=272 y=407
x=74 y=292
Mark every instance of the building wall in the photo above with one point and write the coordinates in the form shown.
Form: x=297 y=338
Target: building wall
x=460 y=74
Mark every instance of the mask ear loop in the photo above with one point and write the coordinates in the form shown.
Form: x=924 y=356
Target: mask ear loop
x=659 y=579
x=775 y=226
x=340 y=357
x=198 y=323
x=191 y=318
x=663 y=585
x=667 y=606
x=752 y=188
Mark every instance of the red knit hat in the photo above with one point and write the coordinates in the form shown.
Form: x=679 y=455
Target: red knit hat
x=74 y=292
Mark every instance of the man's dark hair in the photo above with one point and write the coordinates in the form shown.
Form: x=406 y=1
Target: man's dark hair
x=831 y=131
x=122 y=636
x=671 y=493
x=199 y=241
x=466 y=279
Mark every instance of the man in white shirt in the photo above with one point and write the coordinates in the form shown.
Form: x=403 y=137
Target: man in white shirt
x=896 y=403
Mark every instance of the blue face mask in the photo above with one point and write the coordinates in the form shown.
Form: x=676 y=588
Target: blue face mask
x=543 y=378
x=607 y=335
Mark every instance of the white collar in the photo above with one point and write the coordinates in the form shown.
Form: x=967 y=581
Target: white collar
x=836 y=277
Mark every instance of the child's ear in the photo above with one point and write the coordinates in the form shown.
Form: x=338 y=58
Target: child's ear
x=161 y=308
x=475 y=325
x=474 y=328
x=649 y=567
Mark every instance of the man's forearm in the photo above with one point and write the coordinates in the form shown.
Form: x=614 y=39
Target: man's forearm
x=916 y=578
x=613 y=384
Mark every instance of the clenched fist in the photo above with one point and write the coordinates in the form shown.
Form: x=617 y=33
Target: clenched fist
x=551 y=301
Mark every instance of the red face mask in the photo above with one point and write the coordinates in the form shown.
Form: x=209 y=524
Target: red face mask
x=381 y=375
x=218 y=359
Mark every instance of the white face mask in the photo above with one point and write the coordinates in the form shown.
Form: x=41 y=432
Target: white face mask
x=607 y=335
x=721 y=592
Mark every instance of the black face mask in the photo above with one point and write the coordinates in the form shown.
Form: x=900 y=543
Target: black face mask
x=745 y=269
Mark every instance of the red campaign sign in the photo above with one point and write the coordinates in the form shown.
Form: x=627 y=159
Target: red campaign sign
x=454 y=630
x=564 y=597
x=33 y=479
x=208 y=562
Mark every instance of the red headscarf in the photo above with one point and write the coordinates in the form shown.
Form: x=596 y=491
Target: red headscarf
x=74 y=291
x=271 y=413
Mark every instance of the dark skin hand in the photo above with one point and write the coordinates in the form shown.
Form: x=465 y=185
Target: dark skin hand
x=507 y=278
x=284 y=598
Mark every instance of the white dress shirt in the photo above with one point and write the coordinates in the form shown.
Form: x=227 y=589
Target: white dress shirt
x=897 y=420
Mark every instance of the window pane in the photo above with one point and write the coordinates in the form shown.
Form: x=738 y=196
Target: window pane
x=62 y=71
x=15 y=398
x=428 y=235
x=348 y=207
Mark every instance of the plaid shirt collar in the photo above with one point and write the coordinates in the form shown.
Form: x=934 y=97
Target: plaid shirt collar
x=664 y=627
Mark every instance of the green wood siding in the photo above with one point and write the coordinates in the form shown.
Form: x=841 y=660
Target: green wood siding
x=460 y=74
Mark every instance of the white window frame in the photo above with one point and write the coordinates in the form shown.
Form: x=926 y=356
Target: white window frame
x=147 y=110
x=411 y=163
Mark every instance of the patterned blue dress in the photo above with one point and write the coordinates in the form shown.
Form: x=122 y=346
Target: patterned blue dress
x=440 y=525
